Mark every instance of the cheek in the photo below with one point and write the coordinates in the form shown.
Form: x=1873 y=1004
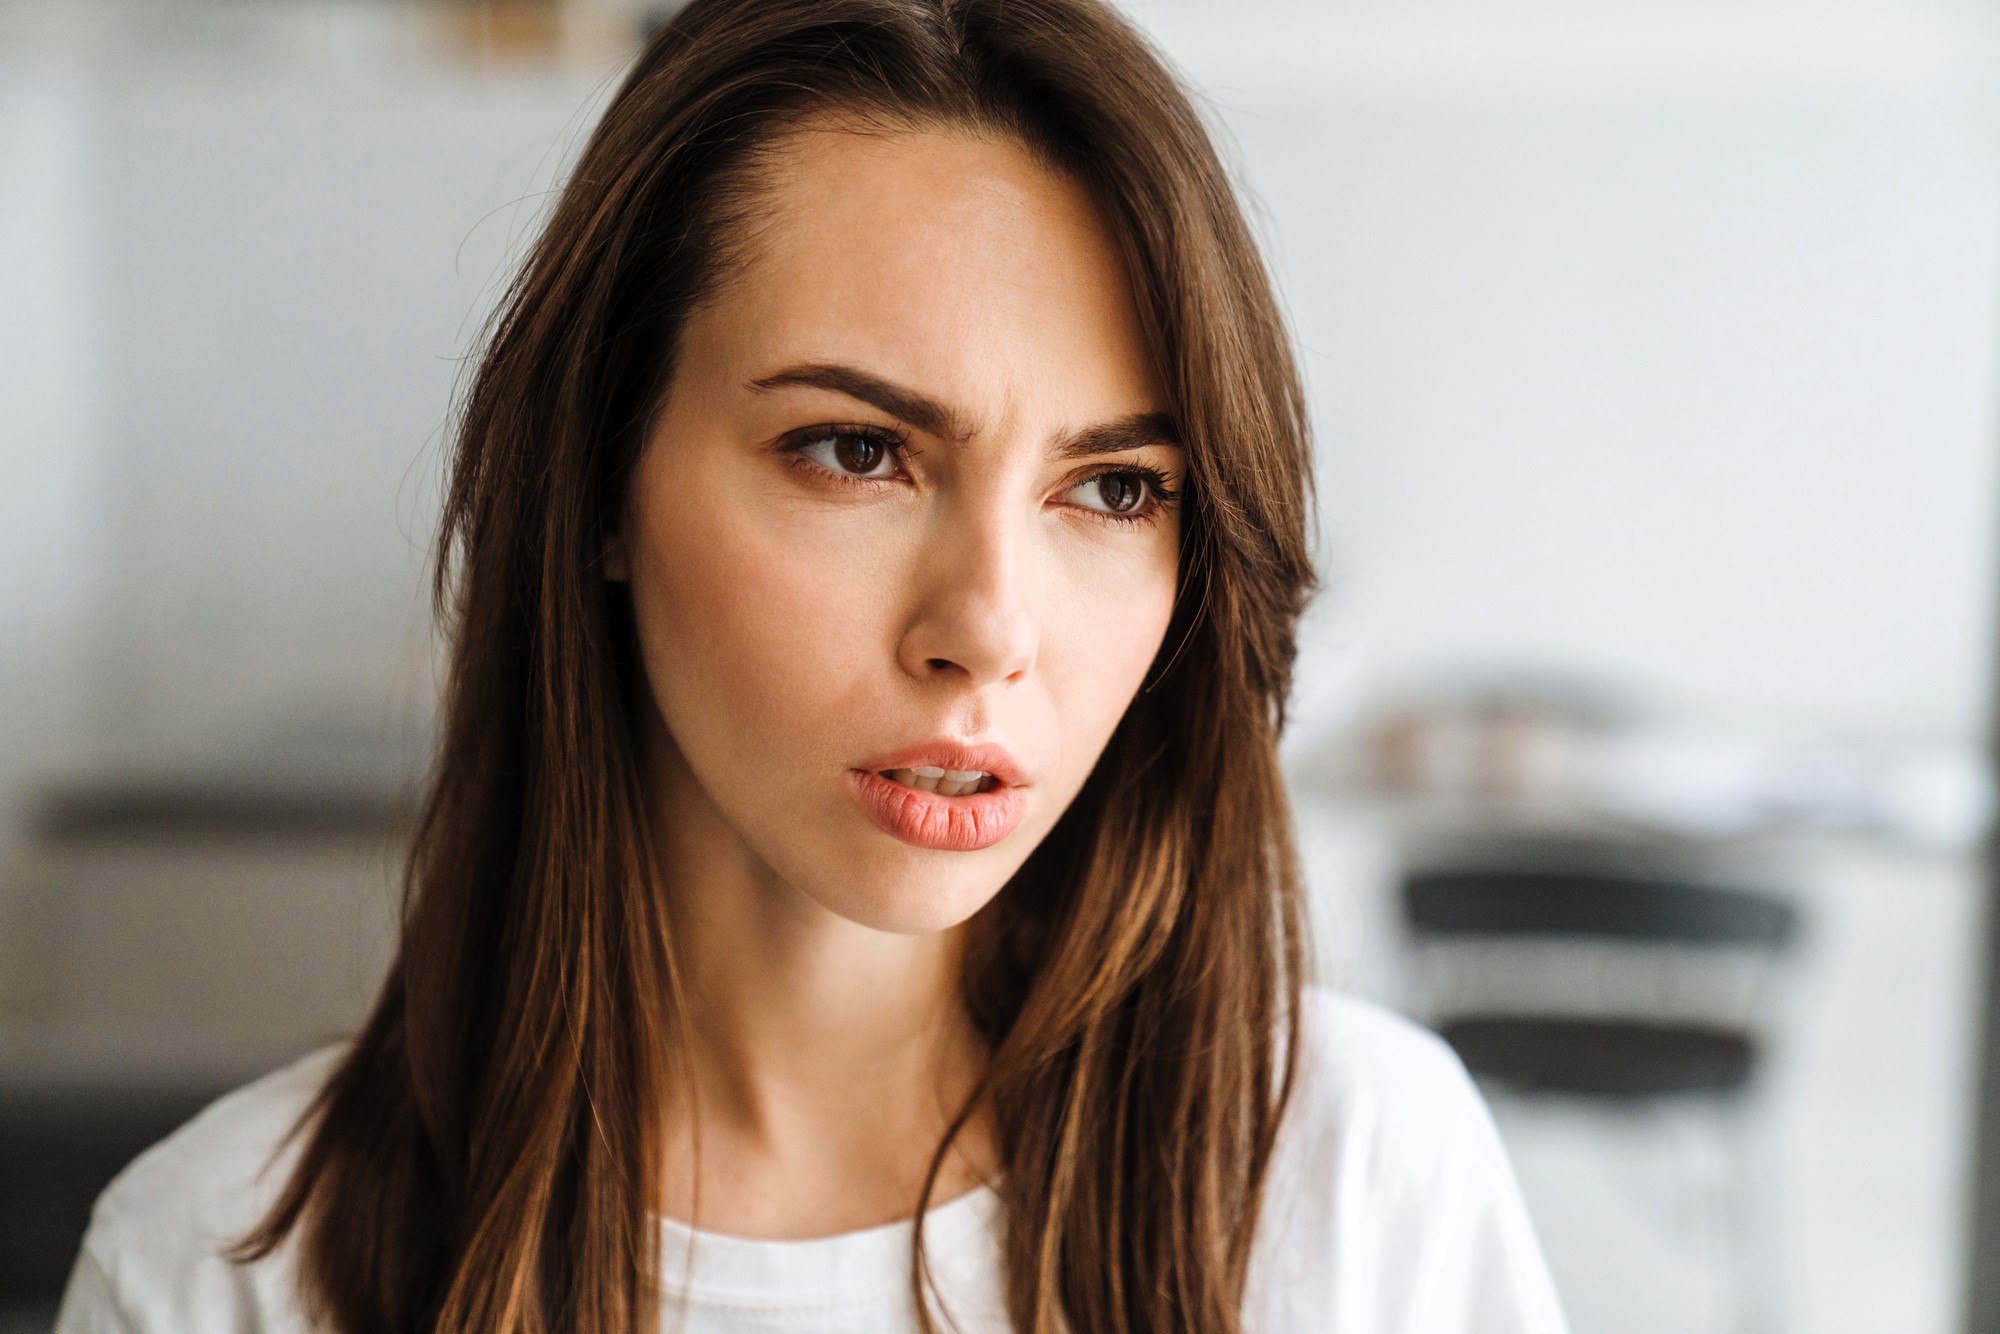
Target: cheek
x=752 y=634
x=1100 y=637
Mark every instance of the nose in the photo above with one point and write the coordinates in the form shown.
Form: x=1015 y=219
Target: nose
x=975 y=617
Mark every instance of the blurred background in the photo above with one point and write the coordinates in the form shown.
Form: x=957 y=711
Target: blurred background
x=1653 y=349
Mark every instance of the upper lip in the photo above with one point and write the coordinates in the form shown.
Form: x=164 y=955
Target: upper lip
x=946 y=753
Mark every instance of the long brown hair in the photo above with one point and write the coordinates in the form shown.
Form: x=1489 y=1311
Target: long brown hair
x=486 y=1156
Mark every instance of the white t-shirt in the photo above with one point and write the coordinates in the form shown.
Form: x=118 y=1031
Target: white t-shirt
x=1391 y=1209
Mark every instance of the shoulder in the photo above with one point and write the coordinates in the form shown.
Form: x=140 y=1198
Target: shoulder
x=1392 y=1204
x=221 y=1167
x=1374 y=1083
x=154 y=1254
x=1356 y=1051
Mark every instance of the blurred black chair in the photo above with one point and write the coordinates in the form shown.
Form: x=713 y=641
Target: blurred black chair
x=61 y=1142
x=1617 y=1056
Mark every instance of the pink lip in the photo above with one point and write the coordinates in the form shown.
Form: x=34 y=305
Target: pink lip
x=946 y=824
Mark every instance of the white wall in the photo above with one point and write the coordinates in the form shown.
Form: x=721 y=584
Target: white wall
x=1657 y=341
x=50 y=462
x=298 y=267
x=231 y=318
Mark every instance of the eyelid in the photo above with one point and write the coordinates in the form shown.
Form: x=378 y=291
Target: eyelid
x=1161 y=498
x=792 y=444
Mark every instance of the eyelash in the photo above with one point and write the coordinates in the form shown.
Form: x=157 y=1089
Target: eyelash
x=1161 y=497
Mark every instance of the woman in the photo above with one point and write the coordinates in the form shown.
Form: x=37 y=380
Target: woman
x=856 y=889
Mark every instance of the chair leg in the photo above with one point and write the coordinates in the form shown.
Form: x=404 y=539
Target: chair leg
x=1756 y=1262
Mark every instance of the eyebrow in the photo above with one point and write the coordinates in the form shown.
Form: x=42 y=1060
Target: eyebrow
x=1115 y=437
x=932 y=417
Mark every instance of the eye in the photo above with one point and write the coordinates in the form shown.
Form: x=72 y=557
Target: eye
x=1126 y=495
x=1115 y=492
x=859 y=452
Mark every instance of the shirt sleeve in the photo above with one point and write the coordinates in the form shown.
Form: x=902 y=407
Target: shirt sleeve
x=1393 y=1207
x=1463 y=1257
x=90 y=1303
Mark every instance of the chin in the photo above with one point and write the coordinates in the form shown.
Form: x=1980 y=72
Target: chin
x=913 y=900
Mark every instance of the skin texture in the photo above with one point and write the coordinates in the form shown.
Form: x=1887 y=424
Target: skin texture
x=793 y=626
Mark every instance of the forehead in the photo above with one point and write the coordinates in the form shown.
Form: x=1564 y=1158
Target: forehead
x=954 y=261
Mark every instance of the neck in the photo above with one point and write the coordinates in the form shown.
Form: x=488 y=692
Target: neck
x=794 y=1011
x=825 y=1058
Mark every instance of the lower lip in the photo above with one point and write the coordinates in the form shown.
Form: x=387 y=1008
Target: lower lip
x=944 y=824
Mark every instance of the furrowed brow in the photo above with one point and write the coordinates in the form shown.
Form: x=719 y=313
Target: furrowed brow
x=1115 y=437
x=905 y=405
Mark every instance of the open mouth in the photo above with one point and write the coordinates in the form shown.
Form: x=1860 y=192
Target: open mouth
x=942 y=782
x=949 y=810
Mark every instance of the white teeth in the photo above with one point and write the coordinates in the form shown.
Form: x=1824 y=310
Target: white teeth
x=944 y=782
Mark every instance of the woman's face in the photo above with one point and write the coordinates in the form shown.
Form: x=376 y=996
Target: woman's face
x=907 y=506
